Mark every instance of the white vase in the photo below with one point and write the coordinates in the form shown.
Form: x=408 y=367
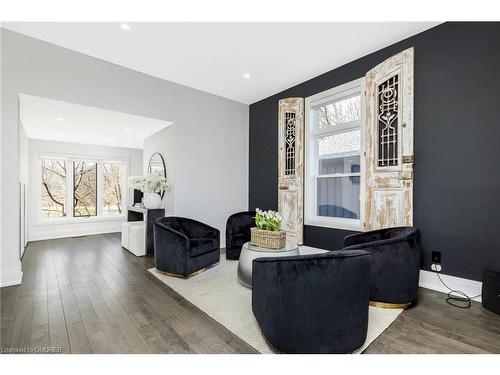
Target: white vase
x=152 y=200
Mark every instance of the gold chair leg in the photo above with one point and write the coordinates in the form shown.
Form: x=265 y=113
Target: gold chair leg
x=197 y=272
x=385 y=305
x=182 y=276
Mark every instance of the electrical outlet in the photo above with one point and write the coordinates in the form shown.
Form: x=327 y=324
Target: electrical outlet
x=436 y=261
x=436 y=267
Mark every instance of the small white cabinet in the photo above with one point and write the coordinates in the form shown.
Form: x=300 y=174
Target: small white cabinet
x=133 y=237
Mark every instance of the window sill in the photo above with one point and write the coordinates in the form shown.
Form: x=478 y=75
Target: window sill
x=79 y=220
x=347 y=224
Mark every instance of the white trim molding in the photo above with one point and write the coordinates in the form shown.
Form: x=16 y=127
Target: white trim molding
x=11 y=276
x=47 y=232
x=430 y=280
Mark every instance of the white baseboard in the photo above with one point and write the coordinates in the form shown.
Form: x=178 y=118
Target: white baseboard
x=11 y=276
x=48 y=232
x=430 y=280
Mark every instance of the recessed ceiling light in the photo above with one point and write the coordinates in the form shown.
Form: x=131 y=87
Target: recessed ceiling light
x=125 y=27
x=60 y=119
x=246 y=75
x=58 y=135
x=127 y=130
x=111 y=141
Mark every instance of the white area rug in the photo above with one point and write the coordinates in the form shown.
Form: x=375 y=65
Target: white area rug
x=219 y=294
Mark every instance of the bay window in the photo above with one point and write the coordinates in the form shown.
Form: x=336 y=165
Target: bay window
x=334 y=164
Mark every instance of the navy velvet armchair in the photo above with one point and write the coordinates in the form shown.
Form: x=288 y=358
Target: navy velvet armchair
x=313 y=303
x=238 y=232
x=184 y=246
x=396 y=256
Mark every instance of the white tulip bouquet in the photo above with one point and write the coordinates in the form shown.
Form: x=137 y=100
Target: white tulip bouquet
x=153 y=183
x=268 y=220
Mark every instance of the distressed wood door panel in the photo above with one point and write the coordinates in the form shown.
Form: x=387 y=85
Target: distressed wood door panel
x=389 y=143
x=288 y=211
x=390 y=204
x=291 y=167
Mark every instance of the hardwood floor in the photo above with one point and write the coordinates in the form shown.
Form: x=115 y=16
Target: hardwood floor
x=435 y=327
x=88 y=295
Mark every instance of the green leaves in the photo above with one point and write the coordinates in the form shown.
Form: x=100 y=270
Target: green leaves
x=268 y=220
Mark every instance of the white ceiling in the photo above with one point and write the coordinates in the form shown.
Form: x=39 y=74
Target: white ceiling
x=55 y=120
x=213 y=57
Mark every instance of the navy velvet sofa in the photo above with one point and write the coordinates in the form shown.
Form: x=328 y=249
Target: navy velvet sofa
x=184 y=246
x=313 y=303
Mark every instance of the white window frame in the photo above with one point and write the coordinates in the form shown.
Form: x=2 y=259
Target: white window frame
x=312 y=133
x=69 y=159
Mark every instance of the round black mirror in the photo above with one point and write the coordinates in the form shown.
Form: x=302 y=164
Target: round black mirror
x=157 y=165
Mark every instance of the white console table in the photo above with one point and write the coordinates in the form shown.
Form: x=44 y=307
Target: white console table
x=149 y=216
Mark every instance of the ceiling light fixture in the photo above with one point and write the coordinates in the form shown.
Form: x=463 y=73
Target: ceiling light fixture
x=58 y=135
x=127 y=130
x=125 y=27
x=60 y=119
x=246 y=75
x=111 y=141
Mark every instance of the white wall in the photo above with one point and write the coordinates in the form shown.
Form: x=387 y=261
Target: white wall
x=23 y=155
x=24 y=180
x=38 y=68
x=40 y=229
x=163 y=142
x=207 y=165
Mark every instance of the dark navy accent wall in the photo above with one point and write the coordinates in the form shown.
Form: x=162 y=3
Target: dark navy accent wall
x=457 y=144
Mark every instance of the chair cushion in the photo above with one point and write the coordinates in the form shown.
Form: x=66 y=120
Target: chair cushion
x=200 y=246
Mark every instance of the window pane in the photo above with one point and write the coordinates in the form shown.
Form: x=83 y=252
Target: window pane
x=339 y=153
x=53 y=188
x=338 y=197
x=111 y=190
x=340 y=112
x=85 y=189
x=332 y=165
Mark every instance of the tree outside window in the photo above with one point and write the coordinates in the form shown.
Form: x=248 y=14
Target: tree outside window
x=111 y=191
x=85 y=189
x=53 y=188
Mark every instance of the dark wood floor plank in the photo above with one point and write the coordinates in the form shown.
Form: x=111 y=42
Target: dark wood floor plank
x=77 y=337
x=40 y=325
x=40 y=285
x=58 y=334
x=154 y=327
x=136 y=341
x=9 y=301
x=21 y=331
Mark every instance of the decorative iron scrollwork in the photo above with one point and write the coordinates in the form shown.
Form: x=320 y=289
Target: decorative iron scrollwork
x=290 y=124
x=388 y=106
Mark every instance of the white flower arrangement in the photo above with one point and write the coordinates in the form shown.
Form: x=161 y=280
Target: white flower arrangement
x=153 y=183
x=268 y=220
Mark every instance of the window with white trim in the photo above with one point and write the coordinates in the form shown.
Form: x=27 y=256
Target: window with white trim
x=334 y=144
x=79 y=188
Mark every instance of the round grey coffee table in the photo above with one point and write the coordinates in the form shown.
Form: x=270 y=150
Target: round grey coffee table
x=250 y=252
